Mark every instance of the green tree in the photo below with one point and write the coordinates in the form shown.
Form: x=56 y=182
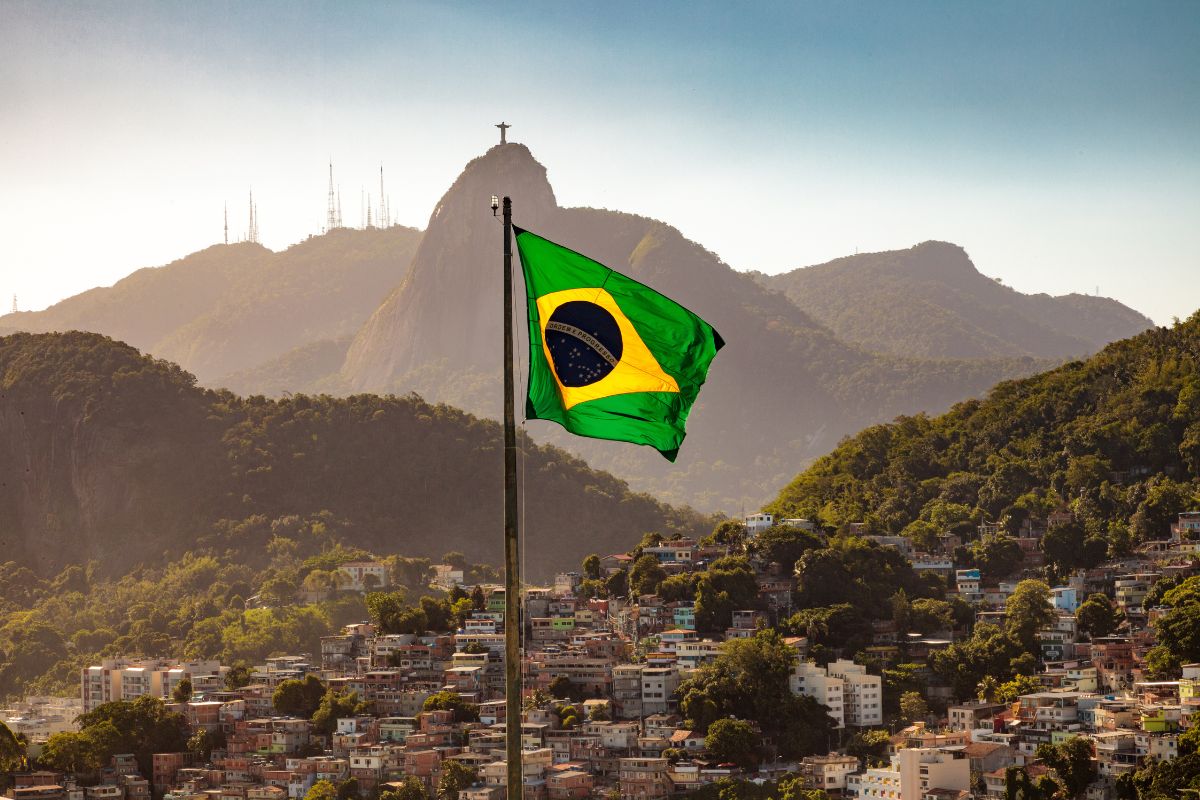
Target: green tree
x=12 y=749
x=478 y=600
x=1179 y=628
x=785 y=545
x=411 y=788
x=1097 y=616
x=728 y=585
x=928 y=616
x=455 y=559
x=729 y=533
x=870 y=745
x=749 y=678
x=237 y=677
x=617 y=584
x=182 y=691
x=913 y=706
x=1028 y=610
x=298 y=697
x=645 y=576
x=1063 y=545
x=388 y=611
x=989 y=651
x=1072 y=762
x=1189 y=741
x=591 y=567
x=449 y=701
x=335 y=706
x=322 y=790
x=562 y=688
x=997 y=556
x=143 y=727
x=732 y=740
x=455 y=777
x=69 y=751
x=203 y=741
x=1019 y=786
x=1010 y=690
x=348 y=789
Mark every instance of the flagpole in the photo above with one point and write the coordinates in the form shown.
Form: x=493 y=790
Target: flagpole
x=512 y=568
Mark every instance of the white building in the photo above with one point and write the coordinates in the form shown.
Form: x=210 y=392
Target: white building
x=853 y=696
x=757 y=523
x=863 y=699
x=447 y=576
x=809 y=679
x=123 y=679
x=362 y=576
x=912 y=773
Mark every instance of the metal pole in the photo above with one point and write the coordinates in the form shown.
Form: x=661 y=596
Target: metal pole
x=512 y=568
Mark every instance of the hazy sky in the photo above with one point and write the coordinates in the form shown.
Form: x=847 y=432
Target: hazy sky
x=1058 y=142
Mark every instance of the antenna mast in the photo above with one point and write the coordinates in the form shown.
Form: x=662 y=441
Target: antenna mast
x=252 y=234
x=385 y=218
x=226 y=223
x=14 y=304
x=331 y=216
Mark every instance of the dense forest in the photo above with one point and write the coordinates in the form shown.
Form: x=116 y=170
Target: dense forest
x=1115 y=438
x=111 y=456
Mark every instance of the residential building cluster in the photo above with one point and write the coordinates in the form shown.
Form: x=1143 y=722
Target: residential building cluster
x=623 y=661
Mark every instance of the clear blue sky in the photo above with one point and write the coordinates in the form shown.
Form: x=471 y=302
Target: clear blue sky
x=1059 y=143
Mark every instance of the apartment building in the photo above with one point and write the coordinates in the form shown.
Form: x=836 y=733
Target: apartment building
x=124 y=679
x=911 y=775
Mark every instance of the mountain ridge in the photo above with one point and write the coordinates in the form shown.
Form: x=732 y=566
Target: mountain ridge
x=931 y=301
x=229 y=308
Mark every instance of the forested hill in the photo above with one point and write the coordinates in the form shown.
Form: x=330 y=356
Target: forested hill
x=232 y=308
x=930 y=301
x=109 y=455
x=1116 y=436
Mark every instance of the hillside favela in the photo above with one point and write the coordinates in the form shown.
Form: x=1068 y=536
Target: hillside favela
x=630 y=402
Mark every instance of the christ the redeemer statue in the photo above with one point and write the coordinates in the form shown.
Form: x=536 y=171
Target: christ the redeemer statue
x=503 y=126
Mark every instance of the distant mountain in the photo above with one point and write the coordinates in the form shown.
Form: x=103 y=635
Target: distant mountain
x=230 y=308
x=1115 y=437
x=930 y=302
x=112 y=456
x=784 y=390
x=421 y=313
x=307 y=368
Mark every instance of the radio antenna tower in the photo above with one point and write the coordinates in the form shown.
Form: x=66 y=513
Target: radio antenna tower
x=252 y=234
x=14 y=304
x=331 y=214
x=339 y=207
x=385 y=218
x=227 y=223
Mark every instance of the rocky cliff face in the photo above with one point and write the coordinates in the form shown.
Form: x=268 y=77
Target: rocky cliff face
x=442 y=324
x=783 y=390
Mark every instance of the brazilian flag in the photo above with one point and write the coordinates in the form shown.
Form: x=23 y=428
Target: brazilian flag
x=609 y=357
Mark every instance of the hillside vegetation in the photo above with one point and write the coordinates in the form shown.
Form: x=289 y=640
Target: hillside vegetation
x=112 y=456
x=930 y=301
x=1115 y=437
